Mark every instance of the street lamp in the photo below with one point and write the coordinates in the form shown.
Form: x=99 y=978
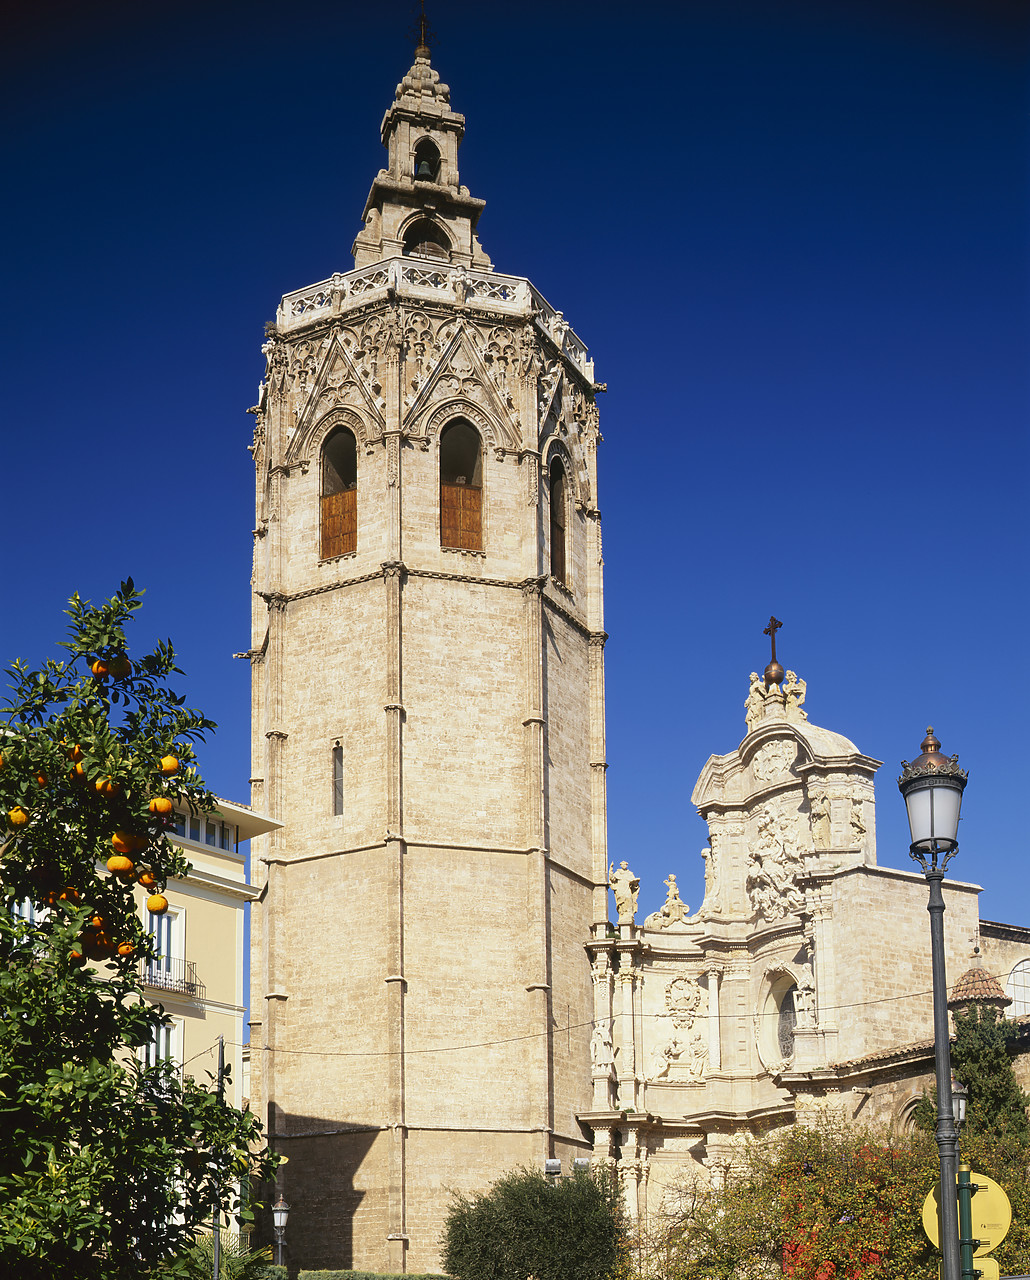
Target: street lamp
x=280 y=1212
x=960 y=1097
x=932 y=786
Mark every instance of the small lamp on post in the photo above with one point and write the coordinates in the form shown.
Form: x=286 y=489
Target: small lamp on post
x=932 y=786
x=960 y=1097
x=280 y=1212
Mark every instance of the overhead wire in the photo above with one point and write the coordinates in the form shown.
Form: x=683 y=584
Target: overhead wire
x=576 y=1026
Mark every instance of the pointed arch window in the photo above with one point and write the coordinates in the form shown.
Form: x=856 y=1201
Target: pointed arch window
x=339 y=494
x=427 y=239
x=559 y=517
x=427 y=161
x=461 y=487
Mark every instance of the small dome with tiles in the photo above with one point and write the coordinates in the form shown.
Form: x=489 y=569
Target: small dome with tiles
x=977 y=986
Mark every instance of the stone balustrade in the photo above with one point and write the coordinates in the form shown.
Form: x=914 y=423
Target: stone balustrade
x=423 y=280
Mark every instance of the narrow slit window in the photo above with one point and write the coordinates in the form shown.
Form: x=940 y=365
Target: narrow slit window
x=337 y=780
x=461 y=487
x=559 y=509
x=339 y=494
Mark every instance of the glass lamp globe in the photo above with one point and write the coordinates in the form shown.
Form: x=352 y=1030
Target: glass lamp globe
x=932 y=786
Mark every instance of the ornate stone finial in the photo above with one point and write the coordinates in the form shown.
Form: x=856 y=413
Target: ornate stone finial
x=773 y=672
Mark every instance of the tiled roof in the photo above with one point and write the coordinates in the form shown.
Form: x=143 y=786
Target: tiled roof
x=978 y=986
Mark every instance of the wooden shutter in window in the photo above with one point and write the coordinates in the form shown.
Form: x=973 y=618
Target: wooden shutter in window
x=461 y=517
x=339 y=523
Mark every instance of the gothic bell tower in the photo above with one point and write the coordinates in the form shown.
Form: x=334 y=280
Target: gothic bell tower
x=428 y=719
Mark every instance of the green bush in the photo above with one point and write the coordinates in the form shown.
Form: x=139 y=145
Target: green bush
x=364 y=1275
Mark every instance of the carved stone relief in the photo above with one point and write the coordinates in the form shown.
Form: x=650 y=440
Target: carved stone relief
x=773 y=759
x=773 y=865
x=686 y=1046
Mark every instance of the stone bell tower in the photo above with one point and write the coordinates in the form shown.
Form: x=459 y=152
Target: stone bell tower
x=428 y=719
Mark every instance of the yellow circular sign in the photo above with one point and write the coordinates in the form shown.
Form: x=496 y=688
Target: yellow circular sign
x=991 y=1212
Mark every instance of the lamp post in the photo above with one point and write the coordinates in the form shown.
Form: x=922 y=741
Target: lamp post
x=280 y=1212
x=932 y=786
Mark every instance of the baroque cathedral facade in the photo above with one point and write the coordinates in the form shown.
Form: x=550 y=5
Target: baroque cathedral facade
x=437 y=993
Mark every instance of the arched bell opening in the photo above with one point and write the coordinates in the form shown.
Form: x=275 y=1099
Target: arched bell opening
x=339 y=494
x=559 y=520
x=461 y=487
x=426 y=239
x=427 y=161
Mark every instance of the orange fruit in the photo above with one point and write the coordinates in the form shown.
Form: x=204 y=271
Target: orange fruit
x=120 y=667
x=119 y=866
x=76 y=754
x=100 y=668
x=97 y=944
x=126 y=949
x=78 y=773
x=41 y=779
x=148 y=880
x=98 y=922
x=139 y=843
x=123 y=842
x=160 y=805
x=106 y=787
x=157 y=904
x=17 y=816
x=76 y=957
x=169 y=765
x=70 y=894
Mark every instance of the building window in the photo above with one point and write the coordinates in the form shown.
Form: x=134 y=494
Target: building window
x=559 y=505
x=427 y=161
x=1019 y=989
x=785 y=1024
x=164 y=930
x=339 y=494
x=210 y=831
x=461 y=487
x=427 y=239
x=337 y=780
x=163 y=1047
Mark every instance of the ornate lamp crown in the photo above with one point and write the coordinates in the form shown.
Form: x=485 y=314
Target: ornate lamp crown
x=931 y=761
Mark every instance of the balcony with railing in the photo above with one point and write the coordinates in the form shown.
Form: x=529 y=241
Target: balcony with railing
x=178 y=976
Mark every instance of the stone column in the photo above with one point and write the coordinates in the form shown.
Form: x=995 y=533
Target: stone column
x=714 y=1025
x=538 y=955
x=598 y=784
x=626 y=1056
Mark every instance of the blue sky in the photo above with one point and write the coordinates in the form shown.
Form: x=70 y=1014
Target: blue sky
x=793 y=234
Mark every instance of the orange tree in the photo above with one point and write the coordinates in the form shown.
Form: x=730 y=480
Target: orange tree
x=107 y=1165
x=830 y=1202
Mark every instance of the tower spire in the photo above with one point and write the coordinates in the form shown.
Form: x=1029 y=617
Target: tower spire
x=425 y=35
x=417 y=205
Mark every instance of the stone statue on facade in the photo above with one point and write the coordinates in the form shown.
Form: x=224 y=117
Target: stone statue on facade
x=755 y=704
x=794 y=692
x=858 y=829
x=804 y=1001
x=820 y=807
x=713 y=880
x=626 y=887
x=673 y=910
x=602 y=1055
